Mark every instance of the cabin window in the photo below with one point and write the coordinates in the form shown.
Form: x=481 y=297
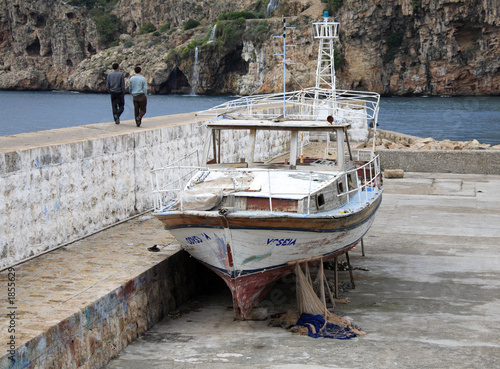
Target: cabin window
x=320 y=200
x=351 y=180
x=340 y=186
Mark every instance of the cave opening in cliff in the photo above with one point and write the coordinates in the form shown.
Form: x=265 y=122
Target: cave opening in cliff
x=176 y=83
x=90 y=49
x=39 y=20
x=33 y=49
x=234 y=63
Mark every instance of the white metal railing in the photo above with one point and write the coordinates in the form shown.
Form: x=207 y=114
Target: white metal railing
x=169 y=182
x=170 y=191
x=306 y=104
x=368 y=181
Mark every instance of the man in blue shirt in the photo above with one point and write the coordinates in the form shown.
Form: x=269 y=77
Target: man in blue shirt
x=138 y=89
x=116 y=88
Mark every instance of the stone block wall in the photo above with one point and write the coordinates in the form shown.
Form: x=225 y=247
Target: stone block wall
x=442 y=161
x=51 y=195
x=91 y=336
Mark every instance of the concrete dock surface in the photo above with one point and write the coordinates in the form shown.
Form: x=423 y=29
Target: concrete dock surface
x=427 y=294
x=74 y=134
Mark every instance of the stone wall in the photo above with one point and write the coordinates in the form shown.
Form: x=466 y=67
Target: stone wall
x=414 y=154
x=442 y=161
x=50 y=195
x=91 y=336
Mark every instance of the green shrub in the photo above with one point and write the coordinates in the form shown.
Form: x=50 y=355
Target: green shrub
x=233 y=32
x=237 y=15
x=89 y=4
x=333 y=5
x=338 y=60
x=108 y=26
x=258 y=34
x=185 y=52
x=172 y=55
x=261 y=6
x=394 y=42
x=147 y=28
x=128 y=43
x=164 y=28
x=191 y=23
x=417 y=4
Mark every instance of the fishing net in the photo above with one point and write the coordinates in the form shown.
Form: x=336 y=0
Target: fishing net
x=307 y=291
x=314 y=314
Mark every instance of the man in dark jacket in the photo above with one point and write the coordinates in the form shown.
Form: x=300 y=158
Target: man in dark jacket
x=116 y=87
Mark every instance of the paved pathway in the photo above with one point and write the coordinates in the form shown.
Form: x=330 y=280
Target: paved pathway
x=74 y=134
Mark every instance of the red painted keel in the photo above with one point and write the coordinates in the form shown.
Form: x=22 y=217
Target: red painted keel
x=249 y=290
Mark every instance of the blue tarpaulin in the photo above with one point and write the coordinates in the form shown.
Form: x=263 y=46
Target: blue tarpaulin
x=315 y=324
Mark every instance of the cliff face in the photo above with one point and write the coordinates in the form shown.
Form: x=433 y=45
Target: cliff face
x=394 y=47
x=425 y=47
x=42 y=42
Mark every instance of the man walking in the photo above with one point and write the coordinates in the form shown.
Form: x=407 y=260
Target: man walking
x=138 y=89
x=116 y=87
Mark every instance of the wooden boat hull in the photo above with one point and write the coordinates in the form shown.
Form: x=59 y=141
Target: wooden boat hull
x=250 y=251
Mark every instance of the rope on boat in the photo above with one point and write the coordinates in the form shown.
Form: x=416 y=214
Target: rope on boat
x=307 y=291
x=313 y=308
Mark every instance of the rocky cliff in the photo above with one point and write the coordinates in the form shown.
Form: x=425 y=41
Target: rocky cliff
x=394 y=47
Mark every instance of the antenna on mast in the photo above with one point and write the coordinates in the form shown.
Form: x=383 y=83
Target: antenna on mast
x=285 y=62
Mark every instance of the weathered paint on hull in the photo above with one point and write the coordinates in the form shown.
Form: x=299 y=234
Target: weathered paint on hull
x=250 y=289
x=251 y=253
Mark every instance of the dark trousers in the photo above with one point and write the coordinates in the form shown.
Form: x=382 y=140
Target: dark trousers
x=140 y=102
x=117 y=103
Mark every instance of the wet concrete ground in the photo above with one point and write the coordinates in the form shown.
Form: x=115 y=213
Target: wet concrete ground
x=427 y=294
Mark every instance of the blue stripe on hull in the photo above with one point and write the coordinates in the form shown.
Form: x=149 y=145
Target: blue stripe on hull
x=283 y=228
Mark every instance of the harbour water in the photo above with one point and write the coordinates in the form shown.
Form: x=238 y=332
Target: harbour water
x=454 y=118
x=32 y=111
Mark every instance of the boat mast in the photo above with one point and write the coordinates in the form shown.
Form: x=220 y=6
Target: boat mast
x=285 y=62
x=326 y=32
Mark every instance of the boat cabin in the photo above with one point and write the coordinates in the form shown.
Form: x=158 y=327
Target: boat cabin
x=213 y=142
x=290 y=186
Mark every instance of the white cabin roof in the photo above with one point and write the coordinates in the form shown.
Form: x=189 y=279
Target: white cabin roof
x=288 y=125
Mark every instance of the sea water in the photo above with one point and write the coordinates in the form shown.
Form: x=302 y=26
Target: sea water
x=32 y=111
x=454 y=118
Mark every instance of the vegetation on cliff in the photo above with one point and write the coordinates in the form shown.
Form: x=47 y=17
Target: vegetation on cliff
x=394 y=47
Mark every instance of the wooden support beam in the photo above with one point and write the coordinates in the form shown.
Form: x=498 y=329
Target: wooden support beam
x=350 y=270
x=336 y=277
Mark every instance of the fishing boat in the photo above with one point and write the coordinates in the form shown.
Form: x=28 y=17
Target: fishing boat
x=250 y=216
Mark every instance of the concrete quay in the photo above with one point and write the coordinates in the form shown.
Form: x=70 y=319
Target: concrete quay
x=427 y=294
x=428 y=299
